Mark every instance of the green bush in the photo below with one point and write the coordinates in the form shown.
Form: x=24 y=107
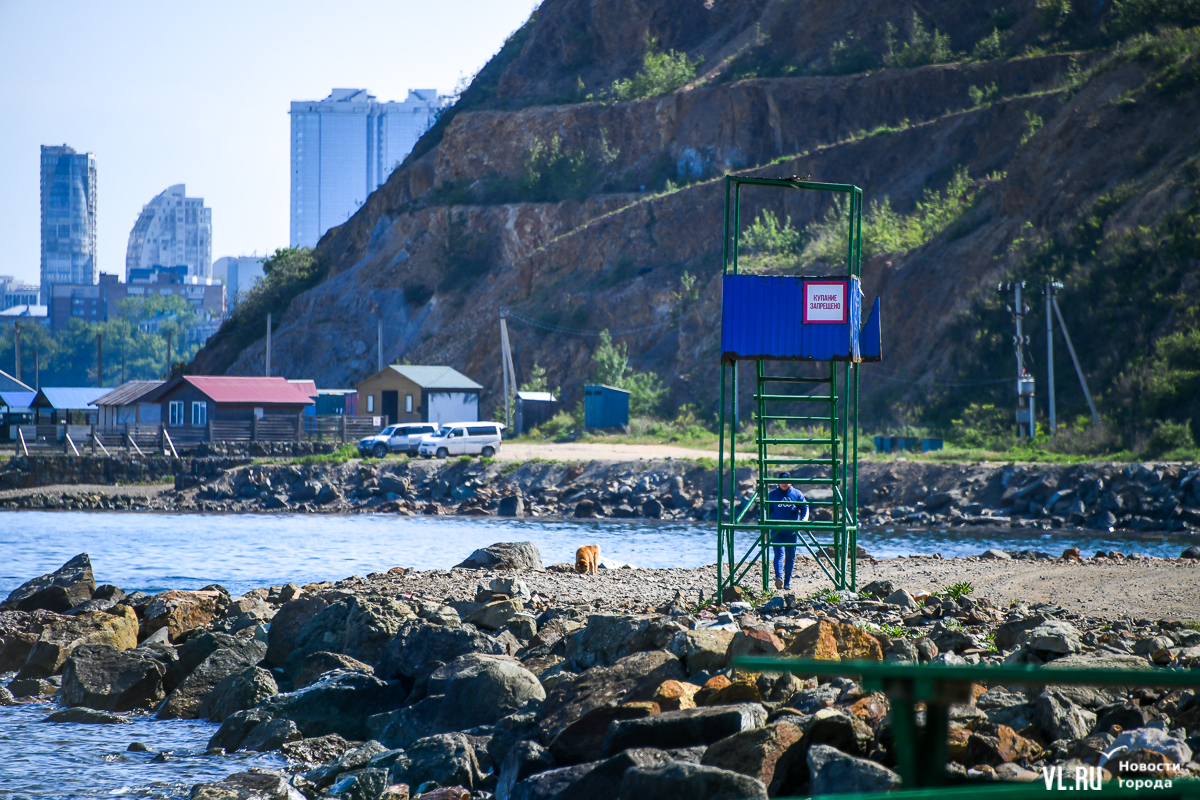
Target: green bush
x=923 y=47
x=885 y=230
x=1131 y=17
x=661 y=73
x=1052 y=13
x=984 y=96
x=847 y=57
x=988 y=48
x=1169 y=436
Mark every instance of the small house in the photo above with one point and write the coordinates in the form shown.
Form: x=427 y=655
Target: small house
x=67 y=405
x=127 y=404
x=14 y=411
x=533 y=409
x=10 y=384
x=332 y=402
x=605 y=406
x=408 y=393
x=190 y=401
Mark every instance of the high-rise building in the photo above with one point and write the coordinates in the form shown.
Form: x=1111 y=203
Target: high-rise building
x=173 y=230
x=344 y=147
x=68 y=217
x=239 y=274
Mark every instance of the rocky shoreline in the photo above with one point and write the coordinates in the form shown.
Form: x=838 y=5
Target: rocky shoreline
x=1141 y=498
x=504 y=678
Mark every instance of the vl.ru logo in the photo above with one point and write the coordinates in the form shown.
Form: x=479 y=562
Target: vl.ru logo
x=1086 y=779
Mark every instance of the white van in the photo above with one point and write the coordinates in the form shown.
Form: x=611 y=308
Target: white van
x=396 y=438
x=463 y=438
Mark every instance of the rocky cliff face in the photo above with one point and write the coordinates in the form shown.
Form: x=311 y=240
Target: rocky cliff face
x=440 y=252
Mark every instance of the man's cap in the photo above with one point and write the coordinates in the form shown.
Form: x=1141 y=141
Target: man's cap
x=784 y=475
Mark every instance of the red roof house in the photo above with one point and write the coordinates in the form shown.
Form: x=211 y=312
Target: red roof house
x=191 y=401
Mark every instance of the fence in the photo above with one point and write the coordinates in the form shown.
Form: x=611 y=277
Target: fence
x=143 y=439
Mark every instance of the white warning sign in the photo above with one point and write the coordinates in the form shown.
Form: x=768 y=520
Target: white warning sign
x=825 y=302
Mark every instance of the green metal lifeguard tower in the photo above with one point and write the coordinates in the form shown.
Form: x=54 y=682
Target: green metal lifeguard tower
x=770 y=319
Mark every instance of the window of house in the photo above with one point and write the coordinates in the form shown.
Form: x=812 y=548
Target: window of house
x=370 y=403
x=408 y=403
x=175 y=412
x=199 y=414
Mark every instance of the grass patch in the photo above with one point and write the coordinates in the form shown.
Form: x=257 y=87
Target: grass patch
x=340 y=456
x=661 y=73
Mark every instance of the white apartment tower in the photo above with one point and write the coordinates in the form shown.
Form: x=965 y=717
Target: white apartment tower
x=343 y=148
x=173 y=230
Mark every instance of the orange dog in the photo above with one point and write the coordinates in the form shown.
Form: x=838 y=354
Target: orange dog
x=587 y=559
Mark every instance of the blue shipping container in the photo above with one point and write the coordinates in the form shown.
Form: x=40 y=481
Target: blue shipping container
x=605 y=407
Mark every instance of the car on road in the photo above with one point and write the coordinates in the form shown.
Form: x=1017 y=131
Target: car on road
x=405 y=438
x=463 y=438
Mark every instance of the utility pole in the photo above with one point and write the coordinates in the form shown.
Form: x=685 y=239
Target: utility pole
x=37 y=368
x=379 y=345
x=17 y=328
x=99 y=361
x=168 y=355
x=1051 y=288
x=1026 y=423
x=509 y=378
x=268 y=344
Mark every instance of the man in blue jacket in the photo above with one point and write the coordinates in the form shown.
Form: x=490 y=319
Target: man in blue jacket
x=785 y=503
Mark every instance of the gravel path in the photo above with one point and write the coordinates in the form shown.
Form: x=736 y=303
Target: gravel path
x=1154 y=588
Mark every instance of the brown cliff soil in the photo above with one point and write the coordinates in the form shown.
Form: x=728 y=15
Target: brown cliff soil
x=440 y=251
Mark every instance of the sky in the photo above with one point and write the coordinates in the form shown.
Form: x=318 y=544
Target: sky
x=198 y=93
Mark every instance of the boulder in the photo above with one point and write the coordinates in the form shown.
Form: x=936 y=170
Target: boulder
x=1009 y=633
x=315 y=750
x=61 y=635
x=86 y=716
x=238 y=692
x=102 y=677
x=550 y=785
x=610 y=637
x=191 y=654
x=630 y=679
x=271 y=735
x=523 y=759
x=1003 y=746
x=582 y=739
x=996 y=554
x=495 y=616
x=835 y=641
x=179 y=612
x=695 y=726
x=287 y=624
x=322 y=661
x=19 y=630
x=419 y=648
x=840 y=731
x=1058 y=718
x=504 y=555
x=356 y=626
x=1156 y=740
x=903 y=599
x=603 y=781
x=675 y=695
x=880 y=589
x=59 y=591
x=1192 y=553
x=834 y=772
x=754 y=752
x=702 y=650
x=511 y=506
x=692 y=781
x=350 y=759
x=259 y=785
x=447 y=759
x=187 y=700
x=1052 y=636
x=753 y=642
x=470 y=691
x=340 y=702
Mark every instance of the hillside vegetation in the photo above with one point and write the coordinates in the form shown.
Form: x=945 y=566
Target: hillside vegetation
x=576 y=186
